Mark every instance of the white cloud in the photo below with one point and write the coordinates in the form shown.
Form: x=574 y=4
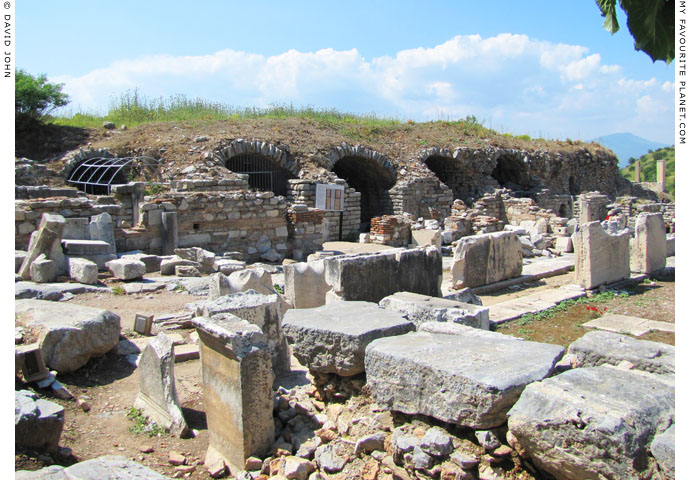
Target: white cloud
x=529 y=85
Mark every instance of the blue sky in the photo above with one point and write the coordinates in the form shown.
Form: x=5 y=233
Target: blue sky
x=543 y=68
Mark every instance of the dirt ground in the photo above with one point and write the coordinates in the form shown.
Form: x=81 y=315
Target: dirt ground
x=109 y=384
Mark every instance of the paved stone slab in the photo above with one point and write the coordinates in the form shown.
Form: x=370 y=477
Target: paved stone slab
x=612 y=322
x=112 y=467
x=52 y=291
x=593 y=422
x=471 y=378
x=534 y=303
x=332 y=338
x=422 y=308
x=144 y=286
x=606 y=348
x=71 y=334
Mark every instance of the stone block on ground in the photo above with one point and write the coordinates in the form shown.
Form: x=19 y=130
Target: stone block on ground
x=238 y=398
x=157 y=396
x=421 y=308
x=486 y=258
x=594 y=422
x=187 y=271
x=671 y=245
x=19 y=256
x=83 y=271
x=111 y=467
x=42 y=270
x=424 y=238
x=600 y=257
x=607 y=348
x=471 y=378
x=37 y=422
x=86 y=247
x=333 y=338
x=663 y=449
x=371 y=276
x=218 y=286
x=228 y=265
x=152 y=262
x=199 y=255
x=168 y=264
x=101 y=228
x=258 y=280
x=264 y=311
x=305 y=284
x=46 y=240
x=648 y=246
x=123 y=269
x=70 y=334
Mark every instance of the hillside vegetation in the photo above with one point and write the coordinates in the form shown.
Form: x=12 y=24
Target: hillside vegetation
x=648 y=168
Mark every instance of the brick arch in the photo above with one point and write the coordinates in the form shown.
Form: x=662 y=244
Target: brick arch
x=277 y=154
x=80 y=156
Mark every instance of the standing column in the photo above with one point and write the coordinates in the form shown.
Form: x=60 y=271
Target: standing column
x=169 y=232
x=237 y=379
x=661 y=174
x=638 y=177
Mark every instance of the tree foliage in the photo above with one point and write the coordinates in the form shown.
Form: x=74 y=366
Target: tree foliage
x=650 y=22
x=35 y=97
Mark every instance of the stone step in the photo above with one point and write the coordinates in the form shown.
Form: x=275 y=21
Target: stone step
x=86 y=247
x=534 y=303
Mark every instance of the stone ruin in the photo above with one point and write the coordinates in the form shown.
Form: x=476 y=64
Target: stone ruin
x=382 y=320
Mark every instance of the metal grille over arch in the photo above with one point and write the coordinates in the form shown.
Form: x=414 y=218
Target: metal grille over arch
x=98 y=174
x=264 y=173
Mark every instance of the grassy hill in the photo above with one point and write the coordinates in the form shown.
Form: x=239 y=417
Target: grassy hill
x=648 y=168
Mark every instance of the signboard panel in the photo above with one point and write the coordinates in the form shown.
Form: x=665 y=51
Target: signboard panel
x=330 y=197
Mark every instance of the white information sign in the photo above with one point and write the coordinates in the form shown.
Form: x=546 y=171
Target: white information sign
x=330 y=197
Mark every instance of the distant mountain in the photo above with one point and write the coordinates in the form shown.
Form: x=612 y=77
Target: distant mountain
x=627 y=145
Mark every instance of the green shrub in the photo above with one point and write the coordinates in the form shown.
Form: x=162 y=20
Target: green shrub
x=35 y=97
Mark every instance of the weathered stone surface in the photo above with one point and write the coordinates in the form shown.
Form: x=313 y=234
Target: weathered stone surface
x=19 y=256
x=421 y=309
x=593 y=422
x=152 y=262
x=101 y=228
x=487 y=258
x=70 y=334
x=328 y=459
x=663 y=448
x=332 y=338
x=426 y=237
x=218 y=286
x=86 y=247
x=263 y=311
x=53 y=291
x=197 y=254
x=46 y=240
x=305 y=284
x=599 y=257
x=168 y=265
x=470 y=379
x=37 y=423
x=83 y=271
x=671 y=245
x=258 y=280
x=112 y=467
x=648 y=246
x=238 y=399
x=370 y=277
x=228 y=265
x=607 y=348
x=157 y=396
x=436 y=442
x=126 y=269
x=464 y=295
x=187 y=271
x=42 y=270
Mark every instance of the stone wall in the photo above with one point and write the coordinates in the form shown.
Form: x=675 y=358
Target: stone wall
x=303 y=192
x=422 y=197
x=391 y=230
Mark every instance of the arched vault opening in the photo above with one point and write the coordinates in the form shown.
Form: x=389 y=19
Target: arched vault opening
x=372 y=181
x=265 y=174
x=98 y=174
x=510 y=172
